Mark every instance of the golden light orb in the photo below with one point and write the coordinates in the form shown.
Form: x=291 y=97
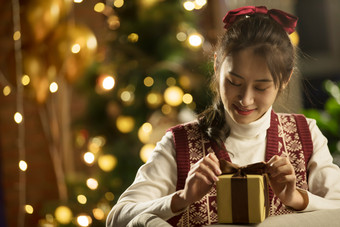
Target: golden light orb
x=23 y=165
x=107 y=162
x=173 y=96
x=125 y=124
x=144 y=132
x=92 y=183
x=63 y=214
x=146 y=151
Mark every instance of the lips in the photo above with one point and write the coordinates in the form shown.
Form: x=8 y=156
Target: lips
x=243 y=111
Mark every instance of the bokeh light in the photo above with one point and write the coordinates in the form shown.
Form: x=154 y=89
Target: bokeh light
x=146 y=151
x=107 y=162
x=23 y=165
x=92 y=183
x=63 y=215
x=173 y=96
x=125 y=124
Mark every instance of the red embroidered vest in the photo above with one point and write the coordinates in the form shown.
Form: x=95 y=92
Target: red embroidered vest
x=287 y=135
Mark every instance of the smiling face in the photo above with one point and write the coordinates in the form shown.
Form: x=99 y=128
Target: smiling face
x=246 y=86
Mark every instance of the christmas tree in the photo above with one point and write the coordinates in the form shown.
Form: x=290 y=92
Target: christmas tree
x=152 y=74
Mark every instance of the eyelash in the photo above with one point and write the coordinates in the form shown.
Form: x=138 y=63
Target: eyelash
x=238 y=85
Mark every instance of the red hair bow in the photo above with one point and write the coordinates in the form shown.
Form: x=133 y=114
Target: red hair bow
x=287 y=21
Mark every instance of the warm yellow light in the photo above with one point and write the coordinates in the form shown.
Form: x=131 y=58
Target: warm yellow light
x=173 y=96
x=127 y=96
x=91 y=43
x=201 y=3
x=144 y=132
x=133 y=37
x=17 y=35
x=29 y=209
x=89 y=157
x=107 y=162
x=171 y=81
x=154 y=99
x=81 y=199
x=98 y=214
x=53 y=87
x=7 y=90
x=118 y=3
x=95 y=144
x=18 y=117
x=294 y=37
x=166 y=109
x=195 y=40
x=146 y=151
x=113 y=22
x=99 y=7
x=84 y=220
x=125 y=124
x=63 y=215
x=22 y=165
x=108 y=83
x=75 y=48
x=181 y=36
x=187 y=98
x=25 y=80
x=148 y=81
x=77 y=1
x=109 y=196
x=92 y=183
x=189 y=6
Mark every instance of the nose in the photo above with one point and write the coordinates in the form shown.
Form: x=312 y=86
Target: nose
x=246 y=97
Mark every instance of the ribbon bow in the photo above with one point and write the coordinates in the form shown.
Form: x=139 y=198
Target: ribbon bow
x=287 y=21
x=229 y=168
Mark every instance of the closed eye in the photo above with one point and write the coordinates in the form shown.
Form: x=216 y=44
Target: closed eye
x=234 y=84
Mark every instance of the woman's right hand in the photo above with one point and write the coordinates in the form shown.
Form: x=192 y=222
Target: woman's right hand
x=201 y=177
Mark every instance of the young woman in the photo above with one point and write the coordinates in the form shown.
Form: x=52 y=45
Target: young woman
x=254 y=61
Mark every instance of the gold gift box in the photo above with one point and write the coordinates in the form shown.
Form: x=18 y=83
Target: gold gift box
x=251 y=201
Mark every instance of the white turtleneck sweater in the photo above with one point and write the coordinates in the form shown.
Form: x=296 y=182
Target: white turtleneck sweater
x=155 y=182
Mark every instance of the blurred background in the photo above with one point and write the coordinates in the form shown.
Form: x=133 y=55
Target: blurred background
x=88 y=87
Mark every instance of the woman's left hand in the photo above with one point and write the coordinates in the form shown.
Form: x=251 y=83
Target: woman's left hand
x=282 y=180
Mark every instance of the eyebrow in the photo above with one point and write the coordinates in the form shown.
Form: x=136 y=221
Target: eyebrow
x=260 y=80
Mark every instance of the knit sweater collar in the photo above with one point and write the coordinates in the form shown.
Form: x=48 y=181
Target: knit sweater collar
x=251 y=130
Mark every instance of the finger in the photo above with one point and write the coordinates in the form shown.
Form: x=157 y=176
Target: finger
x=197 y=176
x=284 y=170
x=208 y=172
x=213 y=163
x=282 y=178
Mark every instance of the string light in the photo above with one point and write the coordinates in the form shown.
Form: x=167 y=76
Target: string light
x=7 y=90
x=92 y=183
x=109 y=196
x=108 y=83
x=82 y=199
x=154 y=99
x=63 y=215
x=144 y=132
x=84 y=220
x=188 y=5
x=195 y=40
x=29 y=209
x=77 y=1
x=148 y=81
x=125 y=124
x=75 y=48
x=173 y=96
x=133 y=37
x=89 y=157
x=118 y=3
x=181 y=36
x=53 y=87
x=107 y=162
x=146 y=151
x=98 y=214
x=22 y=165
x=25 y=80
x=16 y=35
x=99 y=7
x=187 y=98
x=18 y=117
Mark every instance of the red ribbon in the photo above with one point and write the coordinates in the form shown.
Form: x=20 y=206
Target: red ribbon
x=286 y=20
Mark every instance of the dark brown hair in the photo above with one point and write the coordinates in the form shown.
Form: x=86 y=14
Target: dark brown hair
x=268 y=40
